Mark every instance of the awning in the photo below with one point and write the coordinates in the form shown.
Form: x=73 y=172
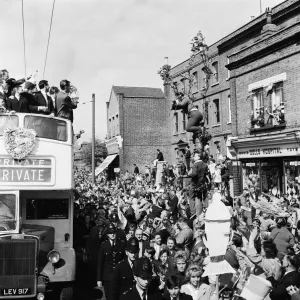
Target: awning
x=107 y=161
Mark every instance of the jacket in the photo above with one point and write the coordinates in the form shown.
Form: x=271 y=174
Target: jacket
x=199 y=172
x=122 y=279
x=160 y=157
x=64 y=106
x=279 y=291
x=41 y=101
x=108 y=259
x=133 y=294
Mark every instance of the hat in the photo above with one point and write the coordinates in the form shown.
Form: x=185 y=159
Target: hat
x=111 y=228
x=133 y=245
x=143 y=268
x=114 y=218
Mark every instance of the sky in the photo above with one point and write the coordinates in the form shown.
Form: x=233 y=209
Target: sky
x=100 y=43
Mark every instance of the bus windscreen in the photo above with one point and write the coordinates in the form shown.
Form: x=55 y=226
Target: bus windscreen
x=8 y=204
x=8 y=121
x=47 y=128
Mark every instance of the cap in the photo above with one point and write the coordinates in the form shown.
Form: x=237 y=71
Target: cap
x=143 y=268
x=111 y=228
x=114 y=218
x=133 y=245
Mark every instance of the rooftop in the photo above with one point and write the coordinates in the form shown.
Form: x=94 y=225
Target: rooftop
x=138 y=92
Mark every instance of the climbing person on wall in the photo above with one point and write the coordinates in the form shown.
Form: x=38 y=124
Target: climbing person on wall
x=195 y=117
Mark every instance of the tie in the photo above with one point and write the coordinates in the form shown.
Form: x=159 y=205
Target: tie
x=144 y=296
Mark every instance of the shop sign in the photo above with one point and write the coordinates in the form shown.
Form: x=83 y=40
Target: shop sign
x=25 y=171
x=276 y=151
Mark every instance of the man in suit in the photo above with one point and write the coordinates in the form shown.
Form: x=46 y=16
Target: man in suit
x=173 y=203
x=13 y=102
x=159 y=156
x=123 y=278
x=43 y=103
x=64 y=104
x=188 y=157
x=111 y=252
x=142 y=244
x=142 y=275
x=199 y=176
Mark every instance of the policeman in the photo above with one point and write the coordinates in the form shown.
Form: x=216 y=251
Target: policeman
x=114 y=218
x=111 y=252
x=123 y=278
x=142 y=276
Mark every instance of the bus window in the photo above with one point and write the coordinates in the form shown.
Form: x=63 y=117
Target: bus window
x=47 y=128
x=8 y=205
x=46 y=209
x=6 y=121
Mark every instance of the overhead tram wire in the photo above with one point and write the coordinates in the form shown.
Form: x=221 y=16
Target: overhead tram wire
x=24 y=45
x=48 y=39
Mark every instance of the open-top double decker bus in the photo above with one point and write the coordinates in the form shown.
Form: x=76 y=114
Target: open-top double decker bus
x=36 y=207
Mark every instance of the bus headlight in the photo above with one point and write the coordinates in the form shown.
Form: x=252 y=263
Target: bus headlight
x=53 y=257
x=40 y=296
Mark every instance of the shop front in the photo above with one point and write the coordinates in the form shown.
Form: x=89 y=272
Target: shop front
x=270 y=165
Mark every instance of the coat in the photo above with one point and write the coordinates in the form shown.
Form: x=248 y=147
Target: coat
x=108 y=259
x=41 y=101
x=133 y=294
x=160 y=156
x=21 y=105
x=64 y=106
x=122 y=279
x=279 y=292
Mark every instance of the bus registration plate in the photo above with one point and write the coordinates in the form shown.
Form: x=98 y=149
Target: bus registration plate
x=15 y=292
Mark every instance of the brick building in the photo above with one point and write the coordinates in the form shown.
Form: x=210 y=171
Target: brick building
x=137 y=119
x=264 y=80
x=255 y=71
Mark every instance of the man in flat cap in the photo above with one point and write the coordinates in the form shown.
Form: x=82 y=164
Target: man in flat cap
x=142 y=275
x=123 y=278
x=111 y=252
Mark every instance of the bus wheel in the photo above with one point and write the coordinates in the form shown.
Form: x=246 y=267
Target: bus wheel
x=66 y=293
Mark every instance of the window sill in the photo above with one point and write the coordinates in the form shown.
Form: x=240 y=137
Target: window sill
x=214 y=84
x=267 y=127
x=228 y=123
x=182 y=132
x=228 y=78
x=175 y=133
x=217 y=125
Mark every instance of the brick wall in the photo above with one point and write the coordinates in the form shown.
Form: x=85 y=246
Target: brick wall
x=144 y=129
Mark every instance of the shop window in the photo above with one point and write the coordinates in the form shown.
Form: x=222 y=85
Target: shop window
x=216 y=114
x=251 y=176
x=215 y=67
x=270 y=177
x=292 y=178
x=183 y=121
x=176 y=122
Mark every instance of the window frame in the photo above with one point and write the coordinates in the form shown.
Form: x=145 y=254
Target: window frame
x=229 y=109
x=215 y=66
x=217 y=115
x=176 y=128
x=183 y=121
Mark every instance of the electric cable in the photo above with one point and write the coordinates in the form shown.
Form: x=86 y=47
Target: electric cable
x=24 y=46
x=48 y=39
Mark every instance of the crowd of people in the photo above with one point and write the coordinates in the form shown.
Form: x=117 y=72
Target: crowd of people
x=25 y=96
x=143 y=240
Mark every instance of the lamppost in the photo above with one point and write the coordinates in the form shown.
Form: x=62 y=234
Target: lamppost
x=93 y=136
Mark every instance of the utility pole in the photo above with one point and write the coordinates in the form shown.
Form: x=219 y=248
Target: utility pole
x=260 y=7
x=93 y=138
